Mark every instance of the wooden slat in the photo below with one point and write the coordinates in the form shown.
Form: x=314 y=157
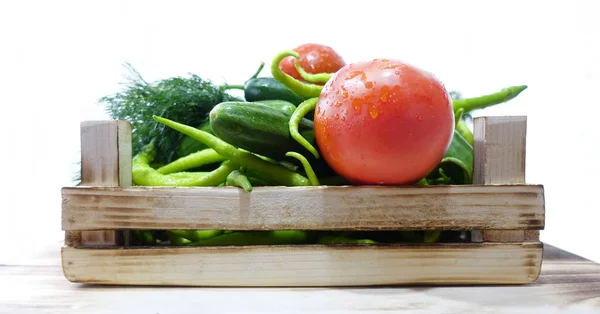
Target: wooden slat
x=36 y=284
x=105 y=161
x=499 y=158
x=482 y=263
x=304 y=208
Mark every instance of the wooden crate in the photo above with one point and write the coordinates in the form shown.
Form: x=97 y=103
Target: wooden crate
x=503 y=213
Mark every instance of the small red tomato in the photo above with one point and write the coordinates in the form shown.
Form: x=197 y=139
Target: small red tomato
x=383 y=122
x=314 y=58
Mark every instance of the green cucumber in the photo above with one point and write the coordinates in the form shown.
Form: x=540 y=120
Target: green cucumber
x=265 y=88
x=259 y=128
x=279 y=104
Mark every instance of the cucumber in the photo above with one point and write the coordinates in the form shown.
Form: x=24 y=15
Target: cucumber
x=259 y=128
x=264 y=88
x=279 y=104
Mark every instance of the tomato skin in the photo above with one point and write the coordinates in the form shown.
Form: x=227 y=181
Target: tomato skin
x=314 y=58
x=383 y=122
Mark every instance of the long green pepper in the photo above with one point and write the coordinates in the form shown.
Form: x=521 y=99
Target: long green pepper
x=259 y=167
x=464 y=106
x=306 y=90
x=143 y=174
x=200 y=158
x=304 y=108
x=310 y=77
x=504 y=95
x=275 y=237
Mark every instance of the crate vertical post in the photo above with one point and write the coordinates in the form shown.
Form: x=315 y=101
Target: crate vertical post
x=499 y=151
x=106 y=154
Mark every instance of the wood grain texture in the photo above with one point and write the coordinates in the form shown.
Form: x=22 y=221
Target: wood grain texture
x=36 y=284
x=304 y=208
x=105 y=161
x=310 y=265
x=499 y=150
x=499 y=158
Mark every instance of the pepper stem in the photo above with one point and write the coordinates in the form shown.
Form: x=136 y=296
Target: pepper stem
x=310 y=77
x=306 y=90
x=226 y=87
x=237 y=178
x=255 y=75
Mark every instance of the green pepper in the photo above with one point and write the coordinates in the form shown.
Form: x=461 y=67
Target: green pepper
x=275 y=237
x=462 y=107
x=463 y=129
x=200 y=158
x=143 y=174
x=485 y=101
x=237 y=178
x=144 y=237
x=431 y=236
x=177 y=239
x=190 y=145
x=305 y=90
x=196 y=235
x=260 y=168
x=343 y=240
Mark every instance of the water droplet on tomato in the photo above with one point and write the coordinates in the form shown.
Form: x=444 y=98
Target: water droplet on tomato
x=369 y=84
x=337 y=104
x=357 y=104
x=354 y=74
x=318 y=110
x=419 y=118
x=343 y=118
x=344 y=92
x=384 y=93
x=373 y=112
x=336 y=116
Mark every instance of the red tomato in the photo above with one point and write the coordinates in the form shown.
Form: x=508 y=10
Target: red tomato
x=383 y=122
x=314 y=58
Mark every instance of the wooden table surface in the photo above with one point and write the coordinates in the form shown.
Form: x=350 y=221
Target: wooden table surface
x=568 y=284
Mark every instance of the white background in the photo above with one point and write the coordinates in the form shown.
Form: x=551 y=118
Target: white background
x=58 y=57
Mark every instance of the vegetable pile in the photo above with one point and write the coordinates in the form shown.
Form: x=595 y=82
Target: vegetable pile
x=316 y=120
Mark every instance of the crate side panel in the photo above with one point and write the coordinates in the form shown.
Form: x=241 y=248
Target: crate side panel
x=483 y=263
x=305 y=208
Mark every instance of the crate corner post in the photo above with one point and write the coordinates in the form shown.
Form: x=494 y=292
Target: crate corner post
x=499 y=159
x=106 y=153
